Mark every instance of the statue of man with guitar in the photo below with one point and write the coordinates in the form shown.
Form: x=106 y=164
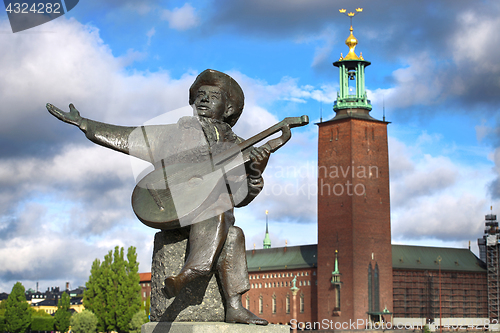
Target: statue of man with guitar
x=202 y=170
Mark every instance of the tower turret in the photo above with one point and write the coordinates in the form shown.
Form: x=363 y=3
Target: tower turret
x=352 y=100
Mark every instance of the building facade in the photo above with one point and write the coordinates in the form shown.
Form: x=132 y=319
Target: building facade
x=417 y=276
x=358 y=275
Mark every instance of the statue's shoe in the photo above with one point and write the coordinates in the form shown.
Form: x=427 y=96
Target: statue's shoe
x=243 y=316
x=172 y=287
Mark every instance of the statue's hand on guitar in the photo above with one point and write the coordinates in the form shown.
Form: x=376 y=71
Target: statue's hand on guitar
x=72 y=117
x=259 y=156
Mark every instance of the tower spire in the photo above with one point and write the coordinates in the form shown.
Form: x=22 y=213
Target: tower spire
x=267 y=239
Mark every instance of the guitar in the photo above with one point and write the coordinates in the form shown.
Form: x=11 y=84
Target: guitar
x=177 y=195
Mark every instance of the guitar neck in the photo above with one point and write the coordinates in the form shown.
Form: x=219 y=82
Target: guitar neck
x=273 y=145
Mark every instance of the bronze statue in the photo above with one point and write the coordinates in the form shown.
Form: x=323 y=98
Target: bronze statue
x=187 y=187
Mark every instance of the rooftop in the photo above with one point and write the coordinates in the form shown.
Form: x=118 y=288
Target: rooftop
x=403 y=257
x=291 y=257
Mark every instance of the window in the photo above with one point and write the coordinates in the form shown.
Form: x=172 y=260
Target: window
x=261 y=305
x=287 y=303
x=144 y=294
x=274 y=303
x=302 y=303
x=248 y=302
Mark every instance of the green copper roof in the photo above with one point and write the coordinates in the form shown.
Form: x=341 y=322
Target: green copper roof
x=336 y=270
x=267 y=241
x=282 y=257
x=425 y=257
x=403 y=257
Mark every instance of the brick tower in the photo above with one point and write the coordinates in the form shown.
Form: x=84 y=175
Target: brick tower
x=354 y=228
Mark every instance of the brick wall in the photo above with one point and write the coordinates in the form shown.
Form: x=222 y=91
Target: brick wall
x=353 y=215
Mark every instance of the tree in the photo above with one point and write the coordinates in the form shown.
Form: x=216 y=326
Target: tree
x=38 y=313
x=138 y=319
x=146 y=306
x=62 y=314
x=17 y=310
x=2 y=308
x=42 y=324
x=84 y=322
x=113 y=290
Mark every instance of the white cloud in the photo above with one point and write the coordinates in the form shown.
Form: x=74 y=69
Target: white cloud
x=433 y=197
x=151 y=32
x=476 y=41
x=72 y=204
x=421 y=82
x=182 y=18
x=328 y=38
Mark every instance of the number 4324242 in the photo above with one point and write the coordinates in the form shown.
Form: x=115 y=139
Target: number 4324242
x=36 y=8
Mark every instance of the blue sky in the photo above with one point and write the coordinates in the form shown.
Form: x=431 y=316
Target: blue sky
x=65 y=201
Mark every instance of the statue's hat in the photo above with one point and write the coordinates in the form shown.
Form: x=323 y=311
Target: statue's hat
x=234 y=93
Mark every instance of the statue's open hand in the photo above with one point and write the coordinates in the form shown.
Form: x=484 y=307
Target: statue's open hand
x=72 y=117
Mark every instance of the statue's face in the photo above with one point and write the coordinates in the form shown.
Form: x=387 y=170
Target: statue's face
x=210 y=102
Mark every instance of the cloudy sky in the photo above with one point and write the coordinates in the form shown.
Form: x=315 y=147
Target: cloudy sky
x=65 y=201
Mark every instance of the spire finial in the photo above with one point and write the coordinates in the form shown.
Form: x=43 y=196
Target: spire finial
x=351 y=41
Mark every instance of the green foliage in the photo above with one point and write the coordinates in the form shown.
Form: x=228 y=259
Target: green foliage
x=3 y=328
x=146 y=307
x=2 y=308
x=62 y=314
x=113 y=290
x=41 y=324
x=138 y=319
x=84 y=322
x=38 y=313
x=17 y=310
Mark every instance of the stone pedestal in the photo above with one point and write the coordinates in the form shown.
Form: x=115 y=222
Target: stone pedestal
x=199 y=301
x=196 y=327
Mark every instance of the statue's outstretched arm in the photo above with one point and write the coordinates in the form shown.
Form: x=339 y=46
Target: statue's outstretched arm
x=119 y=138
